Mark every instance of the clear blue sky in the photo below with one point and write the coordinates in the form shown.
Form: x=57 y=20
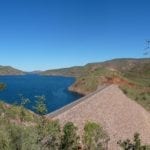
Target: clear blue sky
x=46 y=34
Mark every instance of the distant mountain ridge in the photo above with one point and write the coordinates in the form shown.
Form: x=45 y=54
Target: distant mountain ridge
x=8 y=70
x=130 y=74
x=122 y=64
x=72 y=71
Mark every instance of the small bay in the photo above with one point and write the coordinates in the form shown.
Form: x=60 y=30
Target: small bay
x=54 y=88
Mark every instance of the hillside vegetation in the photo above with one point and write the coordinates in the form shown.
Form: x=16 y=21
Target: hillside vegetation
x=21 y=129
x=7 y=70
x=131 y=75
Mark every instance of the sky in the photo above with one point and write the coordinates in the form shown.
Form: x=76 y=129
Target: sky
x=49 y=34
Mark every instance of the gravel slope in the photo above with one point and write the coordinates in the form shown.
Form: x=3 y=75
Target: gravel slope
x=119 y=116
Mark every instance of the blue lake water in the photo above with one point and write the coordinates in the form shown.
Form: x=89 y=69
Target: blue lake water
x=54 y=88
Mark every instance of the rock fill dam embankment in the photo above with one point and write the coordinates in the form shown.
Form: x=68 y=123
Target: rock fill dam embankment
x=120 y=116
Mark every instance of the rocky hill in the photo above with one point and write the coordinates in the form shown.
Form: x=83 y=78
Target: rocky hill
x=8 y=70
x=73 y=71
x=121 y=65
x=131 y=75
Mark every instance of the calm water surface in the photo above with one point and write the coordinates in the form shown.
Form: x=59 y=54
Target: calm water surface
x=54 y=88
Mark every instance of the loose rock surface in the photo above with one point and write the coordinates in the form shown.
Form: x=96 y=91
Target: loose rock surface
x=120 y=116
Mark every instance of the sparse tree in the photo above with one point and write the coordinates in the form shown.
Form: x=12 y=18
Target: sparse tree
x=22 y=112
x=94 y=138
x=41 y=110
x=52 y=138
x=133 y=145
x=40 y=106
x=70 y=139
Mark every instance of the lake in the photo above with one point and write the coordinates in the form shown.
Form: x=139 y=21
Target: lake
x=54 y=88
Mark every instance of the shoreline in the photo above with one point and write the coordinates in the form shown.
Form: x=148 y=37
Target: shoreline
x=76 y=102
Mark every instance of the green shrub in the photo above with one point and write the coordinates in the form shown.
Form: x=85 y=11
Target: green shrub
x=94 y=138
x=133 y=145
x=40 y=106
x=125 y=91
x=2 y=86
x=4 y=139
x=70 y=140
